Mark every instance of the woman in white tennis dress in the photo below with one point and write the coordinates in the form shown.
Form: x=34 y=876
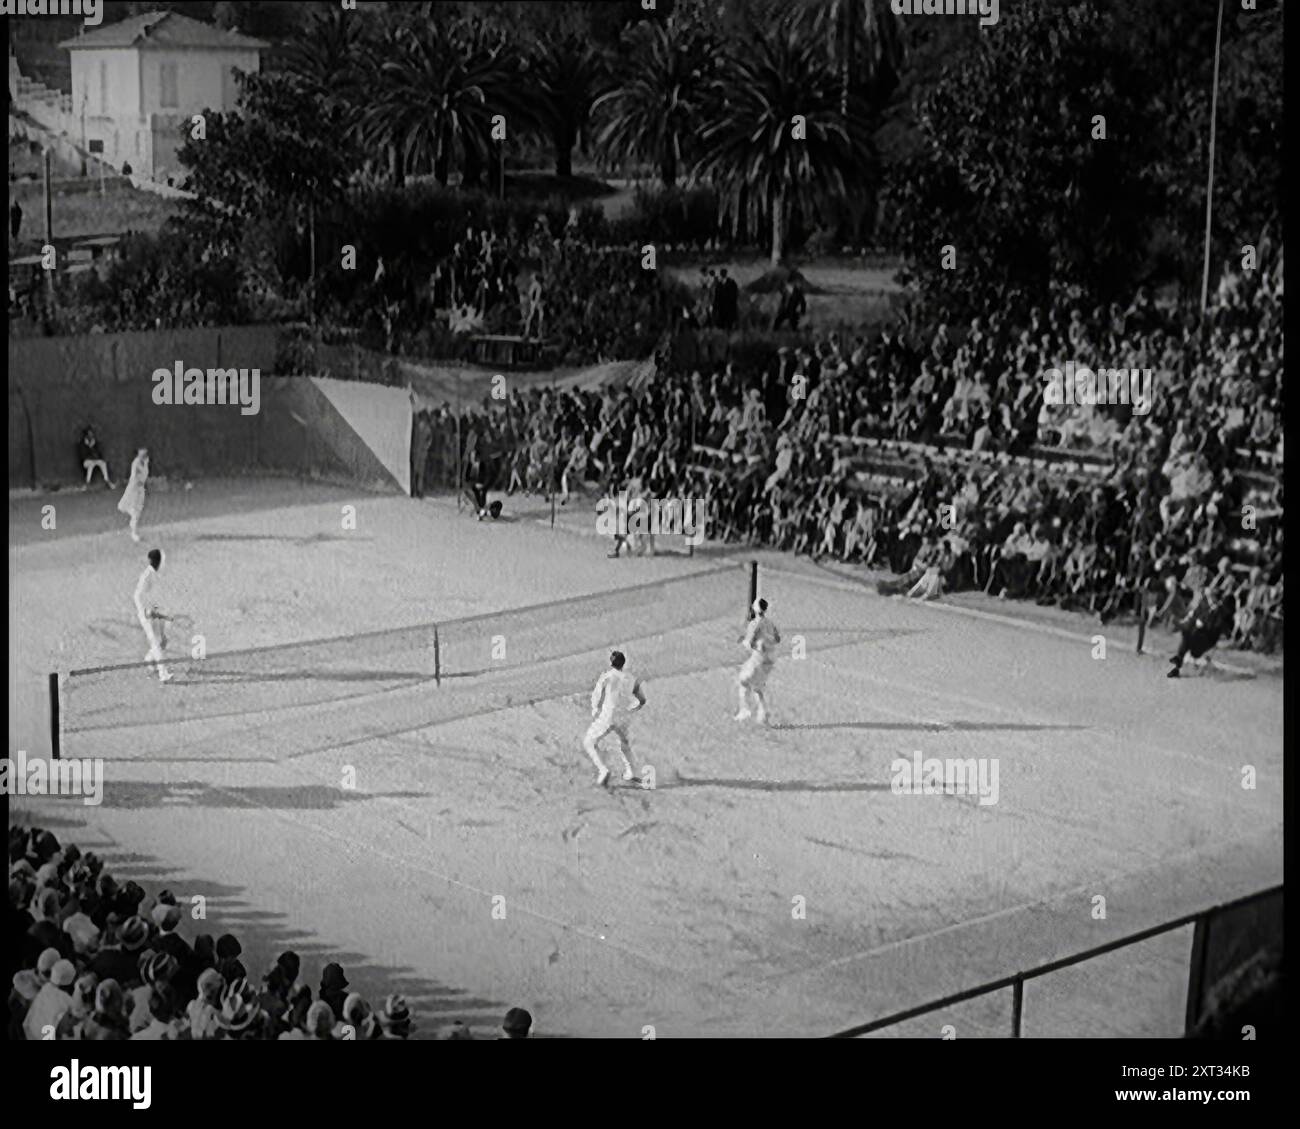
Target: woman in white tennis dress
x=132 y=503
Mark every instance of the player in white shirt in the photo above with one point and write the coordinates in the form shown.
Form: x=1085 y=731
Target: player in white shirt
x=617 y=695
x=132 y=501
x=151 y=618
x=761 y=638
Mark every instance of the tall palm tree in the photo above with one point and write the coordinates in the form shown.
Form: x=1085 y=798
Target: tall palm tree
x=570 y=75
x=772 y=77
x=436 y=97
x=653 y=113
x=866 y=43
x=330 y=57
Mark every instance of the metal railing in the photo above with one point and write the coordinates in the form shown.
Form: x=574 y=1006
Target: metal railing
x=1201 y=922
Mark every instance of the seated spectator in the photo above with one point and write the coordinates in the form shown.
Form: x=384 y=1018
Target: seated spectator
x=241 y=1017
x=53 y=999
x=228 y=962
x=72 y=1025
x=164 y=1022
x=395 y=1019
x=359 y=1021
x=333 y=989
x=318 y=1024
x=91 y=458
x=279 y=981
x=517 y=1024
x=204 y=1010
x=107 y=1023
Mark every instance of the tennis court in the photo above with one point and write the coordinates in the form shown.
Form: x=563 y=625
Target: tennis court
x=438 y=831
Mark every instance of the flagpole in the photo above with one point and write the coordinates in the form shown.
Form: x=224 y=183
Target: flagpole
x=1209 y=188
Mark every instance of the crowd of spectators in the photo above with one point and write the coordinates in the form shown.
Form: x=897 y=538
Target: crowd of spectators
x=933 y=453
x=92 y=958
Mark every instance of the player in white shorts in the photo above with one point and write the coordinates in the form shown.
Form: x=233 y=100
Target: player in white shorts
x=151 y=619
x=616 y=696
x=761 y=638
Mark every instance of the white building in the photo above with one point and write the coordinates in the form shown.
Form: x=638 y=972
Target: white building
x=135 y=83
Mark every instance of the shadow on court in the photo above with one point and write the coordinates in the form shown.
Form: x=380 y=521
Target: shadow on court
x=264 y=934
x=138 y=795
x=771 y=785
x=935 y=726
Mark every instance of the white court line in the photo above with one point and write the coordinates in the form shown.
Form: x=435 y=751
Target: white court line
x=1010 y=738
x=977 y=613
x=429 y=872
x=1041 y=903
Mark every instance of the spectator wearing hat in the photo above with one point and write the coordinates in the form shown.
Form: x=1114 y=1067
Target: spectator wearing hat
x=517 y=1024
x=359 y=1021
x=44 y=846
x=204 y=1010
x=275 y=997
x=107 y=1023
x=165 y=1024
x=83 y=1005
x=26 y=987
x=299 y=1003
x=333 y=989
x=100 y=904
x=395 y=1018
x=228 y=962
x=126 y=902
x=318 y=1024
x=119 y=962
x=46 y=931
x=166 y=917
x=241 y=1018
x=54 y=998
x=205 y=952
x=156 y=971
x=84 y=934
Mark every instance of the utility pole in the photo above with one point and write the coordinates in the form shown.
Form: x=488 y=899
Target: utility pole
x=1209 y=188
x=311 y=235
x=49 y=201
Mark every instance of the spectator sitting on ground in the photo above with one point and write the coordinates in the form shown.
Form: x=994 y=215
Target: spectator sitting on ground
x=92 y=458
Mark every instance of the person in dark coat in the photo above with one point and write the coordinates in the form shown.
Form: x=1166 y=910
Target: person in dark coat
x=228 y=962
x=185 y=981
x=107 y=1023
x=45 y=932
x=120 y=962
x=334 y=989
x=421 y=441
x=728 y=302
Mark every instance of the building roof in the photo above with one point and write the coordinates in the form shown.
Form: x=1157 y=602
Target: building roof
x=163 y=30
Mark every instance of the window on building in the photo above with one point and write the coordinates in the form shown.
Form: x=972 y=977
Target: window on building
x=229 y=88
x=168 y=98
x=103 y=88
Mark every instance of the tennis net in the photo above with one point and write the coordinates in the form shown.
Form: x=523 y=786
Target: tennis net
x=447 y=654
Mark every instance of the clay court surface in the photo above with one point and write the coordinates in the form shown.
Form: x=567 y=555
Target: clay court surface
x=630 y=908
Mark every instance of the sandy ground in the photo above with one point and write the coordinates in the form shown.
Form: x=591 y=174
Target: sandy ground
x=447 y=842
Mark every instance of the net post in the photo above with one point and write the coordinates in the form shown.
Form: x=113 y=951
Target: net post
x=753 y=587
x=1196 y=971
x=54 y=715
x=437 y=658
